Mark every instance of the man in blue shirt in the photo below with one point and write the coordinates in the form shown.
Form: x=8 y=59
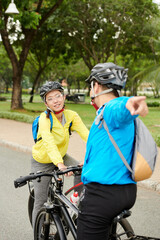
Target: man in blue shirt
x=109 y=188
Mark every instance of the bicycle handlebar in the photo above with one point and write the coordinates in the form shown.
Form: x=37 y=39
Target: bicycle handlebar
x=19 y=182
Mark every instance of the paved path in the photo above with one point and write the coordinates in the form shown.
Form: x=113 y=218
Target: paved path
x=18 y=135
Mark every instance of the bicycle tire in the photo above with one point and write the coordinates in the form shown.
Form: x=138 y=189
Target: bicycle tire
x=30 y=205
x=123 y=230
x=55 y=227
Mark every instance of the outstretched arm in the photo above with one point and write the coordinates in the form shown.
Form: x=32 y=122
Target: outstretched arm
x=137 y=106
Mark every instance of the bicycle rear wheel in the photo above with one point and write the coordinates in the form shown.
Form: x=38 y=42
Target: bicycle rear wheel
x=53 y=230
x=121 y=230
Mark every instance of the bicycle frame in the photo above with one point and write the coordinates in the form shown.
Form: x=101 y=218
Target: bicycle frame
x=63 y=202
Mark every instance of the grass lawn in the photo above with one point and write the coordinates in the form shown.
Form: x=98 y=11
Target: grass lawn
x=152 y=121
x=86 y=112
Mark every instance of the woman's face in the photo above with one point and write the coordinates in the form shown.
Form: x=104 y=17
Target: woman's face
x=55 y=100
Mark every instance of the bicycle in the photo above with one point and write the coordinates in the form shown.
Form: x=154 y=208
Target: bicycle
x=31 y=195
x=54 y=222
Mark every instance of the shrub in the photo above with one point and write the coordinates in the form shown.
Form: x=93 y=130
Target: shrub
x=2 y=99
x=16 y=116
x=153 y=104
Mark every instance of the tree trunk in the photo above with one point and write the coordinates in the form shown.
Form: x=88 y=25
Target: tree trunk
x=33 y=88
x=7 y=91
x=32 y=95
x=35 y=83
x=134 y=88
x=17 y=65
x=16 y=93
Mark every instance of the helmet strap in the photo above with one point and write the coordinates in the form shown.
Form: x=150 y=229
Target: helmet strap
x=104 y=92
x=54 y=111
x=101 y=93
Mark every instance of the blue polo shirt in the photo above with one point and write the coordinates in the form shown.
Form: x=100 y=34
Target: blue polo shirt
x=102 y=163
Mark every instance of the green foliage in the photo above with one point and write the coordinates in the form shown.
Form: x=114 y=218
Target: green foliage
x=1 y=24
x=29 y=20
x=92 y=30
x=5 y=70
x=111 y=28
x=18 y=34
x=16 y=116
x=74 y=73
x=2 y=99
x=153 y=104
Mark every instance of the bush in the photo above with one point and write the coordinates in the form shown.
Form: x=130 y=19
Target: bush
x=3 y=99
x=153 y=104
x=16 y=116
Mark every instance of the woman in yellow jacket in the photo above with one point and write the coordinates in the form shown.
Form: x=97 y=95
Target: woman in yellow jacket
x=52 y=144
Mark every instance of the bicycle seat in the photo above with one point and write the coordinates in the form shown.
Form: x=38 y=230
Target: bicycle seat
x=123 y=214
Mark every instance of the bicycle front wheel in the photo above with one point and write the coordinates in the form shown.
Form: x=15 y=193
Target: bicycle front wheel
x=48 y=228
x=121 y=230
x=30 y=205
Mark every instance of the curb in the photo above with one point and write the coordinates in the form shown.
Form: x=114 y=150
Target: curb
x=16 y=146
x=148 y=183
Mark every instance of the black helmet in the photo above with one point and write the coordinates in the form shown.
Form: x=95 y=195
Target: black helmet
x=49 y=86
x=109 y=74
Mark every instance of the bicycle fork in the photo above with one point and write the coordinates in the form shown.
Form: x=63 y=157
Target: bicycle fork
x=46 y=225
x=52 y=211
x=48 y=208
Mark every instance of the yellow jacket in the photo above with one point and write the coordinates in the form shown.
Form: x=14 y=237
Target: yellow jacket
x=54 y=144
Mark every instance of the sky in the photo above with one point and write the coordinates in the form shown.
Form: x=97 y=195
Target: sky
x=156 y=1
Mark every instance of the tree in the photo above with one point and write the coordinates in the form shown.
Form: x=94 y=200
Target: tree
x=145 y=67
x=54 y=48
x=24 y=27
x=75 y=73
x=102 y=30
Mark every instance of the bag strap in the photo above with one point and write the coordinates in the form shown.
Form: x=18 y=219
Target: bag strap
x=116 y=147
x=100 y=118
x=51 y=121
x=70 y=132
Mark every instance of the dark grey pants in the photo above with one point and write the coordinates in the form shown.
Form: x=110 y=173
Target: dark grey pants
x=41 y=188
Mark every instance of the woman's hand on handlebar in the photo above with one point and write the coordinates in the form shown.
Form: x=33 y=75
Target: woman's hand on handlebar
x=81 y=164
x=62 y=167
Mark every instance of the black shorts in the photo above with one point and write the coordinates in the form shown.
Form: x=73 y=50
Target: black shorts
x=99 y=205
